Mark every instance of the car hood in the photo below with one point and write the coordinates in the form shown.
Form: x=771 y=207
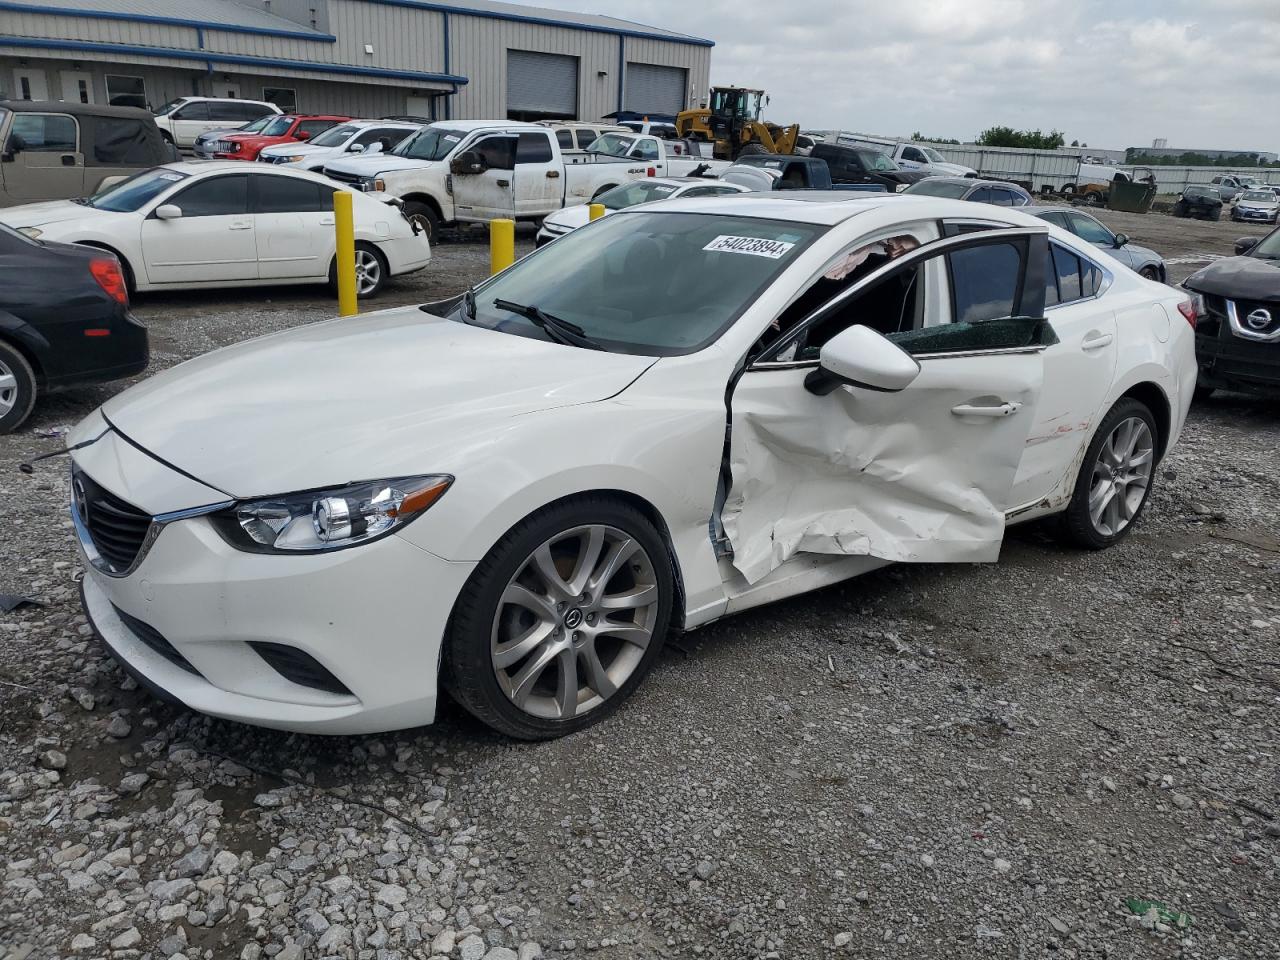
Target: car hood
x=953 y=169
x=293 y=149
x=573 y=217
x=1257 y=204
x=255 y=139
x=393 y=393
x=381 y=163
x=1240 y=278
x=43 y=214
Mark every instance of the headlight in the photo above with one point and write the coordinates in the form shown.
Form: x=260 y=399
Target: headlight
x=32 y=232
x=378 y=184
x=294 y=159
x=322 y=520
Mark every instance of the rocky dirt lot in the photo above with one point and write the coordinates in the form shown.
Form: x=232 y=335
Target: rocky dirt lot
x=929 y=762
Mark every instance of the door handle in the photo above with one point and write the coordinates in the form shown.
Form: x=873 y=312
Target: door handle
x=68 y=160
x=504 y=183
x=327 y=222
x=1096 y=341
x=241 y=225
x=1006 y=409
x=553 y=174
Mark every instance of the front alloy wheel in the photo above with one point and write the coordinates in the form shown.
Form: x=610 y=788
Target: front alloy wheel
x=561 y=621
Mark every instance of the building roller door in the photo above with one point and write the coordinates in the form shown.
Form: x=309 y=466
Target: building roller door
x=654 y=89
x=541 y=86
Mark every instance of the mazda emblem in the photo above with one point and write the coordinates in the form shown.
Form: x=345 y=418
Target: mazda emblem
x=80 y=500
x=573 y=619
x=1259 y=319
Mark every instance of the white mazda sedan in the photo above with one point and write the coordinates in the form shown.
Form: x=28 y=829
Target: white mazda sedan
x=676 y=413
x=228 y=224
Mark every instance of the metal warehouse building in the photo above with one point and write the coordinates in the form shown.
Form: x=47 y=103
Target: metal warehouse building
x=371 y=58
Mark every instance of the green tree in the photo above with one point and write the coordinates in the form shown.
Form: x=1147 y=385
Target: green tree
x=921 y=138
x=1024 y=139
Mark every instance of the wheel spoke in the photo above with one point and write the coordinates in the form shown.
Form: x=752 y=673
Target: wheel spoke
x=567 y=686
x=1099 y=500
x=8 y=381
x=1113 y=514
x=546 y=567
x=523 y=682
x=588 y=556
x=597 y=678
x=521 y=596
x=1139 y=460
x=642 y=596
x=509 y=654
x=1122 y=507
x=636 y=636
x=614 y=561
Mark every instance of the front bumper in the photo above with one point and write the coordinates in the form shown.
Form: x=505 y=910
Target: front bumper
x=373 y=617
x=1230 y=361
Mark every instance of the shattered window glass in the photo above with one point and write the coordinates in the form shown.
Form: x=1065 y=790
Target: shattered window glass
x=1006 y=333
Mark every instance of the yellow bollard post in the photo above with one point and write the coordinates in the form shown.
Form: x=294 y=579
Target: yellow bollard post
x=595 y=211
x=344 y=228
x=502 y=245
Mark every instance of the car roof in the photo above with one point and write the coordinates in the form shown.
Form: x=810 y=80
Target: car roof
x=973 y=182
x=830 y=207
x=195 y=168
x=468 y=125
x=75 y=109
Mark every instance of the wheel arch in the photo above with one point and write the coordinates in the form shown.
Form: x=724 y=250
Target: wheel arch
x=1153 y=397
x=428 y=199
x=25 y=339
x=130 y=275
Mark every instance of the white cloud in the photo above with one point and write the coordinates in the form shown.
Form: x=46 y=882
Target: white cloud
x=1202 y=74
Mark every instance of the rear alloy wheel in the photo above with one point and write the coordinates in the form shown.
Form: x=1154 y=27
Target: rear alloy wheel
x=1150 y=272
x=562 y=620
x=371 y=272
x=1115 y=478
x=17 y=388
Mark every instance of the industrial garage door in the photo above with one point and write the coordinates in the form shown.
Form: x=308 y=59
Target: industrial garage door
x=541 y=86
x=654 y=89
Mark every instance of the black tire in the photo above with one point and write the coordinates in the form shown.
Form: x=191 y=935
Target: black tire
x=382 y=277
x=426 y=216
x=467 y=670
x=167 y=137
x=1151 y=272
x=1202 y=393
x=752 y=148
x=1179 y=210
x=1217 y=215
x=1076 y=527
x=21 y=397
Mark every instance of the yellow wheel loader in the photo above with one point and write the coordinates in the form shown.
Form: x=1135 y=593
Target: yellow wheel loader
x=732 y=122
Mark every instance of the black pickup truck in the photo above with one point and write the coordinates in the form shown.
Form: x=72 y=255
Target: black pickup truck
x=864 y=165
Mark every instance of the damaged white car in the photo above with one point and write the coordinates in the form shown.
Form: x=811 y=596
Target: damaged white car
x=679 y=412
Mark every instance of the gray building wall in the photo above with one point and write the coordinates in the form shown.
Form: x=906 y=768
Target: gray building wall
x=402 y=38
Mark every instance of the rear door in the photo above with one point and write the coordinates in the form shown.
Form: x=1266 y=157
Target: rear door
x=539 y=179
x=192 y=119
x=212 y=240
x=922 y=475
x=488 y=194
x=43 y=157
x=293 y=226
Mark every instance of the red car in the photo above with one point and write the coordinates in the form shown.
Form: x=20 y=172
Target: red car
x=283 y=129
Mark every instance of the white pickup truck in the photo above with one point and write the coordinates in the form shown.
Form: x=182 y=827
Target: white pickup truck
x=909 y=155
x=666 y=158
x=476 y=170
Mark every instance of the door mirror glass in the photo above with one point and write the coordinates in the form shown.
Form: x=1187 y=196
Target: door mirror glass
x=1121 y=240
x=861 y=357
x=1245 y=244
x=168 y=211
x=469 y=162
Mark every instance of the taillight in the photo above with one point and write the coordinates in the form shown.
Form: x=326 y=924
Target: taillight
x=1188 y=310
x=110 y=278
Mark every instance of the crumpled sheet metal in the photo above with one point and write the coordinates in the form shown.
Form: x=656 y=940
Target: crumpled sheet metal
x=893 y=476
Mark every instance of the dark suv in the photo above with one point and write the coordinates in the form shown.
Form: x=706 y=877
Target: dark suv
x=1238 y=318
x=1201 y=202
x=864 y=165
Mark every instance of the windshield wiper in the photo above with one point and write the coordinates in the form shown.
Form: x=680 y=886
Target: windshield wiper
x=83 y=201
x=562 y=331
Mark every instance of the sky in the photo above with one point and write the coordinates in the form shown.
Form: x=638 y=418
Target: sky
x=1111 y=74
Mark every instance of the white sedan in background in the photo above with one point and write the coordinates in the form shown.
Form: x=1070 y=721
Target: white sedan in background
x=354 y=136
x=629 y=195
x=681 y=411
x=228 y=224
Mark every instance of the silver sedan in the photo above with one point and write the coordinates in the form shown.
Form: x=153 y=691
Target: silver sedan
x=1141 y=260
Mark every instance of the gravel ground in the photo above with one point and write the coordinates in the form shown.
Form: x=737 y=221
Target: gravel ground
x=953 y=761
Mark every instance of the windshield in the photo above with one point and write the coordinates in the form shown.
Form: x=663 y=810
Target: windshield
x=1264 y=195
x=257 y=124
x=643 y=282
x=878 y=161
x=638 y=191
x=432 y=143
x=939 y=188
x=128 y=195
x=277 y=127
x=933 y=155
x=335 y=136
x=1194 y=192
x=171 y=106
x=613 y=145
x=1268 y=248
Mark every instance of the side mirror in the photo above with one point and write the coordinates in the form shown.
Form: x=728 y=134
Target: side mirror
x=302 y=135
x=168 y=211
x=467 y=163
x=1245 y=244
x=861 y=357
x=372 y=148
x=1121 y=240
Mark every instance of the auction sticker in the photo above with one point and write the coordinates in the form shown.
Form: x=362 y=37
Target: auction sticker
x=752 y=246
